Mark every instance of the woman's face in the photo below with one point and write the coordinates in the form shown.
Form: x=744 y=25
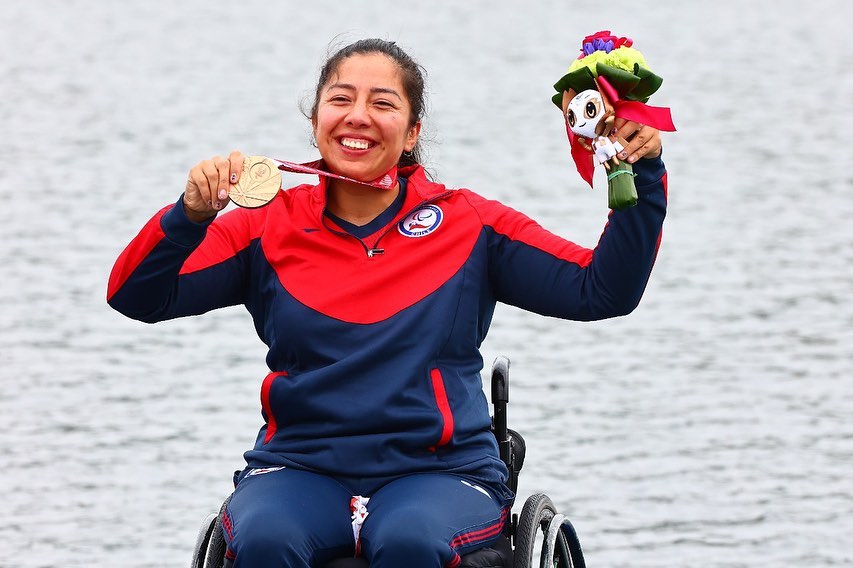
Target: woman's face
x=362 y=120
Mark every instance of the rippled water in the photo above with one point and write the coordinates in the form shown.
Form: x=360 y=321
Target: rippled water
x=712 y=427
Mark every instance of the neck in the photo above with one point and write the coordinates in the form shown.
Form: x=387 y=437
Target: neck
x=357 y=203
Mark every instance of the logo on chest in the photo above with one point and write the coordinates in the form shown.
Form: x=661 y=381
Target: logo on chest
x=421 y=222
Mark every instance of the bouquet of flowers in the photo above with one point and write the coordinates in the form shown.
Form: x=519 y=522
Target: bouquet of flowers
x=609 y=79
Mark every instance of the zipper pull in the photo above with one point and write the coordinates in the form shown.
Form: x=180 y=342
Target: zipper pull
x=374 y=252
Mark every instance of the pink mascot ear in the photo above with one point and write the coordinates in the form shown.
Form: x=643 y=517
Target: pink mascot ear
x=567 y=98
x=608 y=93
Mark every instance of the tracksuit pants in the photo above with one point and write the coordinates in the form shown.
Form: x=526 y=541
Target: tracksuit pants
x=284 y=517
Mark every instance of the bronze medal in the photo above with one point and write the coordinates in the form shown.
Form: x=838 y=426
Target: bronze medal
x=259 y=183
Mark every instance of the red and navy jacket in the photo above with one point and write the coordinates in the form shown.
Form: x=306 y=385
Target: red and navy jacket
x=374 y=342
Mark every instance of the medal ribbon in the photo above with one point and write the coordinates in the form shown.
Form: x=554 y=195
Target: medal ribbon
x=386 y=181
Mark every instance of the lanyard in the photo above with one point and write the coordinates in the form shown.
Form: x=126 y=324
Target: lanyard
x=386 y=181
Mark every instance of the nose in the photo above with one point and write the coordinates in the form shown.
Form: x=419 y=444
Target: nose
x=358 y=115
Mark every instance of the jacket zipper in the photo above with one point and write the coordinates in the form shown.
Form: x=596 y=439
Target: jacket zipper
x=375 y=250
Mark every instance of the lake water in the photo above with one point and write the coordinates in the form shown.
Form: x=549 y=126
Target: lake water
x=712 y=427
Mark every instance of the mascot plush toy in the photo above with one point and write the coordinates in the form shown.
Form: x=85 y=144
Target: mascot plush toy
x=609 y=79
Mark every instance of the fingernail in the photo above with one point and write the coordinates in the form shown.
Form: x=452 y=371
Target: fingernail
x=210 y=203
x=223 y=194
x=217 y=205
x=623 y=155
x=632 y=159
x=233 y=178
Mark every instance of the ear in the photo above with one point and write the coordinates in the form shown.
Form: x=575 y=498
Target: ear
x=412 y=137
x=567 y=98
x=605 y=97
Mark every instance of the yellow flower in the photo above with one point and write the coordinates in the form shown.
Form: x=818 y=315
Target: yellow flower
x=622 y=58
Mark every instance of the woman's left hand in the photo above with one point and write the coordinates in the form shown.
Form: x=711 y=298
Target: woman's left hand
x=643 y=141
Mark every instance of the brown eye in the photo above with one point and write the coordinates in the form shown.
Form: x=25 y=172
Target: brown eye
x=591 y=109
x=572 y=118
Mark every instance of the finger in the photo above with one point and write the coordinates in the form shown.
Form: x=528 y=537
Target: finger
x=633 y=136
x=623 y=131
x=223 y=169
x=645 y=143
x=197 y=195
x=637 y=141
x=211 y=175
x=618 y=124
x=236 y=159
x=624 y=128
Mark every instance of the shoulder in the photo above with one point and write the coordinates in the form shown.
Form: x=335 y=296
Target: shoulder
x=491 y=212
x=464 y=201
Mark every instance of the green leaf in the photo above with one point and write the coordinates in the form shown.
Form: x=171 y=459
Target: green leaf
x=623 y=81
x=580 y=79
x=648 y=85
x=558 y=100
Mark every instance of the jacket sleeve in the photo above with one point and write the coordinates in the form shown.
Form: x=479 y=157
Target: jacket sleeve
x=175 y=267
x=534 y=269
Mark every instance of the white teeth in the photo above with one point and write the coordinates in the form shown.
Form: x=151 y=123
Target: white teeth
x=355 y=144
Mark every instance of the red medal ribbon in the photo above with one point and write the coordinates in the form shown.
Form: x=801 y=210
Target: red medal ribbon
x=386 y=181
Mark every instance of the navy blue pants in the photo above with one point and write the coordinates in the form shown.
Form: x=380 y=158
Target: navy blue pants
x=283 y=517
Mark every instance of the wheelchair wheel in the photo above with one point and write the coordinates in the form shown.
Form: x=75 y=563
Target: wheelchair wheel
x=216 y=548
x=210 y=543
x=569 y=539
x=203 y=540
x=541 y=527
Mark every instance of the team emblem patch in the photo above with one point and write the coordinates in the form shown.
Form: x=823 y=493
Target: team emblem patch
x=421 y=222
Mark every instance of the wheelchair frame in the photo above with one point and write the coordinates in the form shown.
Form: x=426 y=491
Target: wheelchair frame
x=539 y=527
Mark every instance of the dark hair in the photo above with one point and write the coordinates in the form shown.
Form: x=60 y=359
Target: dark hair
x=412 y=76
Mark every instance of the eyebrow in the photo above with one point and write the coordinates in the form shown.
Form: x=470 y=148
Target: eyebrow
x=351 y=87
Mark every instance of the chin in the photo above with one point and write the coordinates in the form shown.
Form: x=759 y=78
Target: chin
x=358 y=173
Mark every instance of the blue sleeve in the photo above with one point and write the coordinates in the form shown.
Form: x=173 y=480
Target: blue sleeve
x=176 y=267
x=535 y=270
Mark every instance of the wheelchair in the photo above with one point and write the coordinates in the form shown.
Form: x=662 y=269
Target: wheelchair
x=539 y=536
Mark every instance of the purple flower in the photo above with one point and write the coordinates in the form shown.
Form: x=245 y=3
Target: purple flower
x=603 y=41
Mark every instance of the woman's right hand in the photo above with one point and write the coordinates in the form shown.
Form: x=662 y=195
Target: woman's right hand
x=207 y=185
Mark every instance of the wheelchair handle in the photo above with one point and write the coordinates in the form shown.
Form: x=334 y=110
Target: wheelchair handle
x=500 y=398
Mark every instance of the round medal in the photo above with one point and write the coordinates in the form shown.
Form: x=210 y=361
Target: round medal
x=259 y=183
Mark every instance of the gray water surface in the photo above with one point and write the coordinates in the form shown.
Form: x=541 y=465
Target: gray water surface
x=712 y=427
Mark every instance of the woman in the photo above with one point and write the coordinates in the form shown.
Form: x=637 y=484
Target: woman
x=373 y=303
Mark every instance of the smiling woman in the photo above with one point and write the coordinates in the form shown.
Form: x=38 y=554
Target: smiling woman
x=410 y=74
x=363 y=123
x=374 y=299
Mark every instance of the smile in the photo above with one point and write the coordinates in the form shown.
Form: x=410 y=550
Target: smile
x=356 y=143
